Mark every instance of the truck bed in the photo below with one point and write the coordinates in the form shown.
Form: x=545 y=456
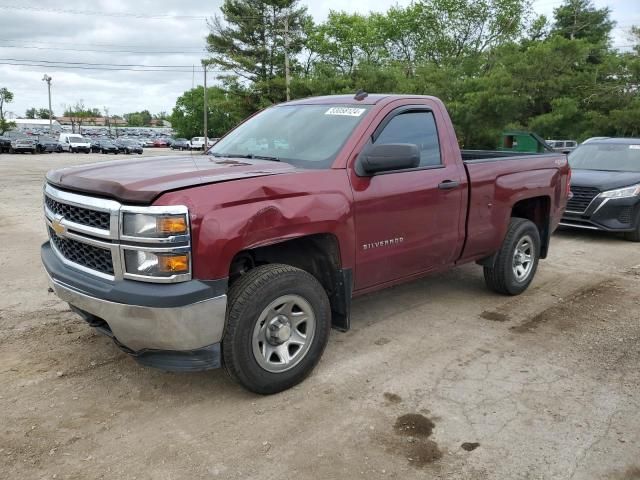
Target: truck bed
x=477 y=156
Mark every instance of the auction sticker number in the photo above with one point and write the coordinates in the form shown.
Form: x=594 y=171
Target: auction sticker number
x=345 y=111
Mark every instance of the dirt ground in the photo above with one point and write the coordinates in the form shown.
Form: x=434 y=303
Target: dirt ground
x=438 y=378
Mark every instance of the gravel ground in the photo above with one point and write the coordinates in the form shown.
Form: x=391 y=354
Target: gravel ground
x=438 y=378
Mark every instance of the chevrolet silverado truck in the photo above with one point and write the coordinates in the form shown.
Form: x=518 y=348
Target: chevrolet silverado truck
x=246 y=257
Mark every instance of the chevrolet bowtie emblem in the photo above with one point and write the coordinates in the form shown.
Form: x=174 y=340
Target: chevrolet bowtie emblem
x=58 y=227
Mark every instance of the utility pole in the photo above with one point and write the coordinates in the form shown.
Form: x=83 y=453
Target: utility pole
x=205 y=63
x=286 y=56
x=107 y=119
x=47 y=79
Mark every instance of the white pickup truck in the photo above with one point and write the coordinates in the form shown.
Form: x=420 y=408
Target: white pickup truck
x=197 y=143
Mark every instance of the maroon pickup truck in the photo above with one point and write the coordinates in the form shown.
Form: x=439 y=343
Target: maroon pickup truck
x=246 y=257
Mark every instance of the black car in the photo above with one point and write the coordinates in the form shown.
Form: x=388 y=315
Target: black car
x=605 y=184
x=47 y=144
x=181 y=144
x=107 y=146
x=128 y=146
x=5 y=144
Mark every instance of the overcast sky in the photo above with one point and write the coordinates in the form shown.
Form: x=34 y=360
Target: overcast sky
x=145 y=32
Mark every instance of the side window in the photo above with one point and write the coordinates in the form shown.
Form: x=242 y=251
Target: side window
x=418 y=128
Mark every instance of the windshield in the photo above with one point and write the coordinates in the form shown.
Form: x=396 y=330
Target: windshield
x=307 y=136
x=617 y=157
x=77 y=140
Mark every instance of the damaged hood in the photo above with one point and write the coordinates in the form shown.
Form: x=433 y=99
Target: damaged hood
x=143 y=180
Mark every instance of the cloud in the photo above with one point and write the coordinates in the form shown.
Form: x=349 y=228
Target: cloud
x=55 y=34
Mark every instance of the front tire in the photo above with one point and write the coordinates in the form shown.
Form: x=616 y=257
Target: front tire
x=635 y=235
x=516 y=262
x=278 y=323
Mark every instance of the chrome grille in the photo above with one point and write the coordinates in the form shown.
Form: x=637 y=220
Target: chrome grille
x=582 y=197
x=83 y=254
x=82 y=216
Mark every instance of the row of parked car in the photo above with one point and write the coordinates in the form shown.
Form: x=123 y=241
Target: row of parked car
x=67 y=142
x=19 y=142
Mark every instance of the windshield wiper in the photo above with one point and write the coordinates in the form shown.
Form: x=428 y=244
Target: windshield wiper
x=251 y=156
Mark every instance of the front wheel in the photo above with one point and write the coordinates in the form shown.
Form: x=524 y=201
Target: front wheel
x=633 y=236
x=278 y=323
x=516 y=262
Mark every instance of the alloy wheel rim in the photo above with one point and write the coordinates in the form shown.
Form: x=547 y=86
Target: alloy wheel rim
x=523 y=257
x=283 y=333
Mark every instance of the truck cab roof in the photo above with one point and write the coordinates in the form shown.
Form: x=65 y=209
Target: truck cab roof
x=371 y=99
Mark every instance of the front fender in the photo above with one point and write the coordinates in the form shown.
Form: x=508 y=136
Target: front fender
x=230 y=217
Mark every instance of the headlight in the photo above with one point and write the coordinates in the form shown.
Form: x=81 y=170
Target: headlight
x=154 y=225
x=156 y=264
x=632 y=191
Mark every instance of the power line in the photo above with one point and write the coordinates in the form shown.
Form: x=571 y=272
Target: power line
x=102 y=14
x=112 y=69
x=118 y=14
x=147 y=52
x=93 y=64
x=47 y=42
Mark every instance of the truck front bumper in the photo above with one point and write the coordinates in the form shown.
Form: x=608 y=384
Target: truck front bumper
x=175 y=327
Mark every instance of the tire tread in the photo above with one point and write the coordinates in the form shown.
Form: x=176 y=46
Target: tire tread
x=494 y=276
x=244 y=291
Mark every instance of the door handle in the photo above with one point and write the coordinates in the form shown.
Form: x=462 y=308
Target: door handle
x=448 y=185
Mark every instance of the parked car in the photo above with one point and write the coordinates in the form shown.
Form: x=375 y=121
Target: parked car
x=5 y=144
x=160 y=143
x=247 y=257
x=606 y=187
x=180 y=144
x=108 y=146
x=197 y=143
x=74 y=143
x=563 y=146
x=46 y=144
x=147 y=142
x=128 y=146
x=23 y=144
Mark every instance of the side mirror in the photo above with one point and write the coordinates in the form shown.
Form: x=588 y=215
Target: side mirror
x=384 y=158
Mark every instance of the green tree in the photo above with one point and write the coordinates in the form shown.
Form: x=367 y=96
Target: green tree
x=138 y=119
x=6 y=97
x=248 y=41
x=226 y=107
x=580 y=19
x=79 y=113
x=43 y=113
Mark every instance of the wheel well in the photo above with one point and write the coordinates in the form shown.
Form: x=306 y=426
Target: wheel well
x=317 y=254
x=537 y=210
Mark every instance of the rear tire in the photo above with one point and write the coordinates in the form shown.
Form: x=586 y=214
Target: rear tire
x=516 y=262
x=278 y=323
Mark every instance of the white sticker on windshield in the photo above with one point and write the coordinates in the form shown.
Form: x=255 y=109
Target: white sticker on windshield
x=634 y=147
x=346 y=111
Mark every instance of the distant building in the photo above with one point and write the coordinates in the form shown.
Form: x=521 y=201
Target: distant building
x=95 y=121
x=37 y=123
x=156 y=122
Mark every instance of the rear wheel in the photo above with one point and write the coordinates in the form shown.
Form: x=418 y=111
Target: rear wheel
x=516 y=262
x=278 y=323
